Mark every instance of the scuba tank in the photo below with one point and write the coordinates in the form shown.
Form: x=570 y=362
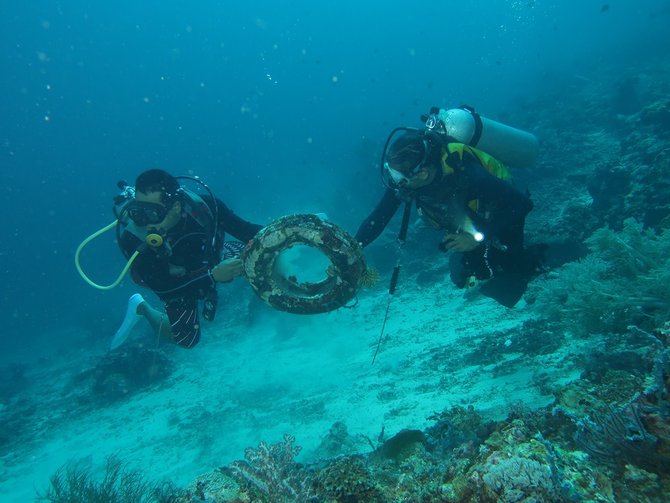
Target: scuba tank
x=513 y=147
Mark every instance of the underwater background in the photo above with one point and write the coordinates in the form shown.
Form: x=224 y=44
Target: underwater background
x=284 y=107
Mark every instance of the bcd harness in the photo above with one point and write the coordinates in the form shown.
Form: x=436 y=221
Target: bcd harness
x=195 y=207
x=452 y=162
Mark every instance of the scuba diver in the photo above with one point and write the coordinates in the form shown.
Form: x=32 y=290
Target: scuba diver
x=174 y=241
x=465 y=193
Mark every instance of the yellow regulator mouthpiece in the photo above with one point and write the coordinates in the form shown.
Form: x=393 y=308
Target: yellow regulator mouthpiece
x=154 y=240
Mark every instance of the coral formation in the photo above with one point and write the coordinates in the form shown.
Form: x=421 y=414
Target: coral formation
x=118 y=375
x=620 y=284
x=270 y=471
x=346 y=479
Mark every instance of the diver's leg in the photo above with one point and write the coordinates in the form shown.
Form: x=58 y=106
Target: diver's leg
x=459 y=275
x=158 y=320
x=179 y=323
x=184 y=323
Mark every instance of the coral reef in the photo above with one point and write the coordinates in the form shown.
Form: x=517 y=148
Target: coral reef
x=623 y=190
x=339 y=442
x=118 y=375
x=269 y=471
x=456 y=426
x=346 y=479
x=618 y=435
x=574 y=450
x=553 y=454
x=657 y=115
x=621 y=283
x=535 y=337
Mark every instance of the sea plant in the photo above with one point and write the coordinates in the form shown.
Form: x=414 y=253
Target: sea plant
x=622 y=282
x=74 y=483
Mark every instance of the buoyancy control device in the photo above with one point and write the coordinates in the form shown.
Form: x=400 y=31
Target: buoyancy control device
x=193 y=205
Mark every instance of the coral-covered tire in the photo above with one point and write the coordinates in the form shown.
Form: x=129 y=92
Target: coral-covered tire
x=286 y=294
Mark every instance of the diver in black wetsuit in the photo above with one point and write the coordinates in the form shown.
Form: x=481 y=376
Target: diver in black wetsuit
x=467 y=194
x=182 y=254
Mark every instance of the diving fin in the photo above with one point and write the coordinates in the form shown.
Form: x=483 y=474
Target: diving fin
x=506 y=288
x=129 y=321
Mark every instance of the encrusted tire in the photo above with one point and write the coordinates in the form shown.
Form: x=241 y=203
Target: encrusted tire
x=286 y=294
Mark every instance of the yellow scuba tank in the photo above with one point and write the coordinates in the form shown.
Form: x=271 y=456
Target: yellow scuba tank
x=513 y=147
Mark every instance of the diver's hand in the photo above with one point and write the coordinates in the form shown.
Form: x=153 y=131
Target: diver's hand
x=461 y=242
x=227 y=270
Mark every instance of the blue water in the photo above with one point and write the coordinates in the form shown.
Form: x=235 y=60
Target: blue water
x=280 y=107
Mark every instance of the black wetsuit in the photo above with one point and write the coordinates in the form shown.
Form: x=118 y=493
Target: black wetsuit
x=180 y=276
x=495 y=207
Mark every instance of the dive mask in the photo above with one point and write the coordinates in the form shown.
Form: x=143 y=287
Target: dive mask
x=405 y=154
x=145 y=213
x=399 y=178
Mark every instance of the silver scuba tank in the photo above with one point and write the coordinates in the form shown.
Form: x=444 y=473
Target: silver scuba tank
x=511 y=146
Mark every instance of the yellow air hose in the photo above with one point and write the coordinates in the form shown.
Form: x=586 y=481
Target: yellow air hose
x=81 y=272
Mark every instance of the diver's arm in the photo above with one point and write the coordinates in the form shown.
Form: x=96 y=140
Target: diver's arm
x=232 y=224
x=375 y=223
x=227 y=270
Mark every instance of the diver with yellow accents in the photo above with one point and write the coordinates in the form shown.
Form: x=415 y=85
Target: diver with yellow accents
x=465 y=193
x=174 y=243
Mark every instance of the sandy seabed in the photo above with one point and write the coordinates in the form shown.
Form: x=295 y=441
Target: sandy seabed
x=258 y=374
